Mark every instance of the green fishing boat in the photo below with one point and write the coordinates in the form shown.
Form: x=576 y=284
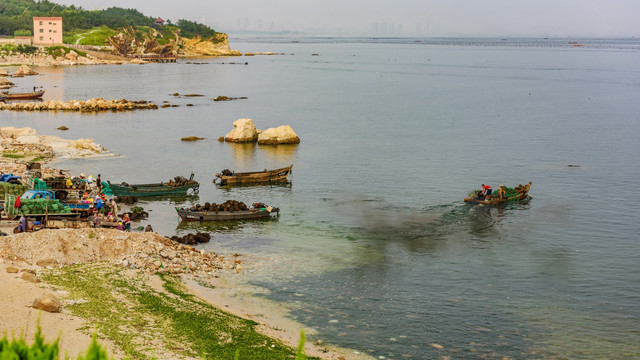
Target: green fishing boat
x=178 y=186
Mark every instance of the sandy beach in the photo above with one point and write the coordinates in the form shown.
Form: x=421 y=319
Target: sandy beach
x=141 y=254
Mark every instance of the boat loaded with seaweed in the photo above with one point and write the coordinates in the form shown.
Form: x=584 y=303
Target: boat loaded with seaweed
x=265 y=177
x=227 y=211
x=177 y=186
x=519 y=193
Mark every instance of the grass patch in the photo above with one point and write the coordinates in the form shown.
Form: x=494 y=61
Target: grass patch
x=13 y=156
x=144 y=322
x=98 y=36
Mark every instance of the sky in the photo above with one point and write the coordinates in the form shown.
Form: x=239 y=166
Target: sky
x=560 y=18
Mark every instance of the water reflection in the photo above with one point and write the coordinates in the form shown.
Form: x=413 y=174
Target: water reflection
x=282 y=154
x=232 y=227
x=244 y=155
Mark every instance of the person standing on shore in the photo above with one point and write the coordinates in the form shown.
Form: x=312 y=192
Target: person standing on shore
x=99 y=183
x=114 y=208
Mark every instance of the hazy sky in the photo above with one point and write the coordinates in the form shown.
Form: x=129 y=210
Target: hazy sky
x=400 y=17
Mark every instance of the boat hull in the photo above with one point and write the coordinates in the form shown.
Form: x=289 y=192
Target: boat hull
x=267 y=177
x=146 y=190
x=24 y=96
x=188 y=215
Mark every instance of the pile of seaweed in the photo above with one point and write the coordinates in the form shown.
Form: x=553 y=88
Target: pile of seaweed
x=192 y=239
x=182 y=181
x=137 y=213
x=229 y=205
x=129 y=200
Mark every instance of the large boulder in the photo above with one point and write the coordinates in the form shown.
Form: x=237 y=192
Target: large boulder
x=47 y=302
x=24 y=70
x=244 y=131
x=72 y=55
x=5 y=81
x=281 y=135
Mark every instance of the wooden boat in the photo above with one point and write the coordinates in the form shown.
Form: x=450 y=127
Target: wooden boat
x=254 y=213
x=155 y=189
x=23 y=96
x=519 y=193
x=3 y=98
x=265 y=177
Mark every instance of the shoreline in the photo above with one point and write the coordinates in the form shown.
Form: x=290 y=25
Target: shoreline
x=16 y=314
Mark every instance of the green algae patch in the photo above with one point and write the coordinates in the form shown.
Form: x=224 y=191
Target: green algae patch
x=165 y=321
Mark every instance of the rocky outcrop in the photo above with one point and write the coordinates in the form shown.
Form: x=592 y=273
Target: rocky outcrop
x=24 y=70
x=5 y=82
x=216 y=46
x=244 y=131
x=90 y=105
x=281 y=135
x=24 y=140
x=133 y=42
x=4 y=72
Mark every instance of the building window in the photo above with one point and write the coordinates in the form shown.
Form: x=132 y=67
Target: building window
x=41 y=38
x=41 y=22
x=49 y=22
x=41 y=31
x=55 y=31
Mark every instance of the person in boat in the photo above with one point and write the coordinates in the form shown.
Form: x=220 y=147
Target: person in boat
x=486 y=191
x=148 y=228
x=501 y=191
x=110 y=217
x=120 y=226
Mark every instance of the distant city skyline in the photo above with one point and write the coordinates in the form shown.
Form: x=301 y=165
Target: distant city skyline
x=589 y=18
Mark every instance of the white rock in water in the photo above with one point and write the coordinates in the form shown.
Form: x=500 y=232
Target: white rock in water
x=245 y=131
x=281 y=135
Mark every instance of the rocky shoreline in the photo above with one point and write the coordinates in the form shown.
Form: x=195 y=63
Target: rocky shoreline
x=27 y=259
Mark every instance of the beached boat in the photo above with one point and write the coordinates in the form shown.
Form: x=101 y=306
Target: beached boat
x=180 y=187
x=265 y=177
x=254 y=213
x=3 y=98
x=519 y=193
x=23 y=96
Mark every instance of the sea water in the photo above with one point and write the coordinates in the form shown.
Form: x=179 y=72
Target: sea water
x=374 y=246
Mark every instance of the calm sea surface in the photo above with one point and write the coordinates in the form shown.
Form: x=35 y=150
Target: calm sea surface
x=374 y=247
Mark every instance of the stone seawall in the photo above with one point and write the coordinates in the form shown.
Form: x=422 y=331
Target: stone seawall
x=82 y=106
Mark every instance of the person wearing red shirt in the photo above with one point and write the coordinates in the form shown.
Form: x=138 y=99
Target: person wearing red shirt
x=486 y=191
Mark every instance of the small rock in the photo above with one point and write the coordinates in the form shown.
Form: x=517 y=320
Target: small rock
x=29 y=277
x=46 y=262
x=47 y=302
x=437 y=346
x=12 y=270
x=63 y=128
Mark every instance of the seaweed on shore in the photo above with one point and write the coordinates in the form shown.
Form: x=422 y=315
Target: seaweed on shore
x=145 y=321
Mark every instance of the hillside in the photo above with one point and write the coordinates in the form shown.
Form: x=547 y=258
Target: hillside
x=128 y=31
